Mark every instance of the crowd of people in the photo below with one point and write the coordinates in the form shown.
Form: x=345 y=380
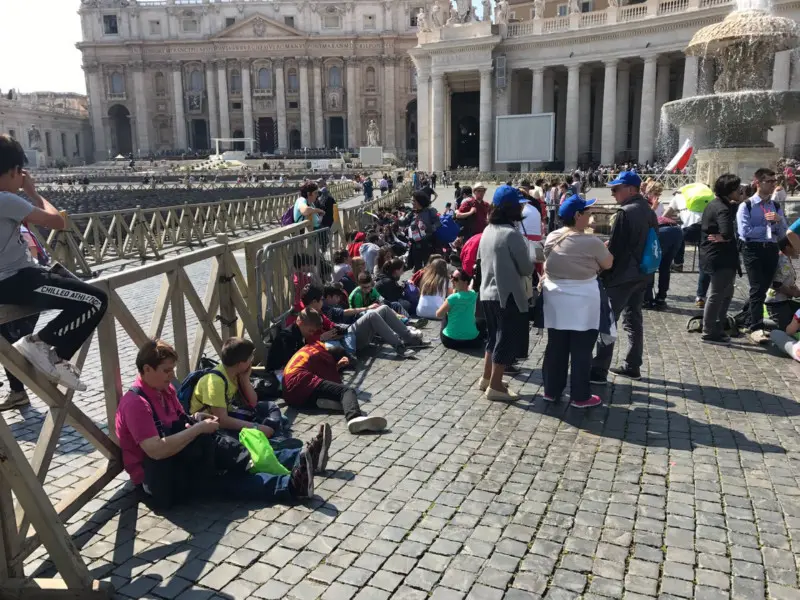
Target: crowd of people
x=483 y=270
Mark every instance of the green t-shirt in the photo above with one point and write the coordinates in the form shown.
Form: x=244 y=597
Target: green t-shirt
x=461 y=316
x=357 y=299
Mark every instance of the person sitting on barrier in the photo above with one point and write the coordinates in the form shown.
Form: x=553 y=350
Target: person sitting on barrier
x=363 y=324
x=304 y=205
x=220 y=392
x=27 y=283
x=311 y=378
x=167 y=453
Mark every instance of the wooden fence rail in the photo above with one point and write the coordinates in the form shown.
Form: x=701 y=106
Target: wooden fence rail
x=93 y=239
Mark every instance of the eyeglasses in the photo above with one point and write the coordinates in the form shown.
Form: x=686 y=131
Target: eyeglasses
x=773 y=180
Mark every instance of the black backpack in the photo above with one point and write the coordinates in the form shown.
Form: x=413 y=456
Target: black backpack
x=695 y=325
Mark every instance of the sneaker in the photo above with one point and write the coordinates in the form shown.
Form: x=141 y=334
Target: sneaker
x=598 y=379
x=421 y=323
x=319 y=446
x=549 y=399
x=401 y=351
x=69 y=376
x=627 y=372
x=659 y=303
x=592 y=401
x=40 y=355
x=506 y=395
x=483 y=384
x=759 y=336
x=512 y=369
x=700 y=302
x=677 y=268
x=416 y=341
x=715 y=338
x=284 y=443
x=15 y=400
x=366 y=423
x=301 y=480
x=325 y=404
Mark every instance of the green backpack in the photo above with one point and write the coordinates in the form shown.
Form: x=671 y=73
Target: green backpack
x=261 y=452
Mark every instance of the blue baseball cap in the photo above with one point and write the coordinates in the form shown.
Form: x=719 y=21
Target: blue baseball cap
x=574 y=204
x=506 y=194
x=626 y=178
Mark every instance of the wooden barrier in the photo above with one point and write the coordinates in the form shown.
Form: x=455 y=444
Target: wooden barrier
x=226 y=309
x=93 y=239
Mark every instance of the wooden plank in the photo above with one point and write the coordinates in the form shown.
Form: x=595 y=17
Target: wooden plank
x=30 y=493
x=8 y=534
x=250 y=325
x=204 y=318
x=226 y=309
x=54 y=589
x=112 y=380
x=211 y=304
x=126 y=319
x=162 y=305
x=180 y=339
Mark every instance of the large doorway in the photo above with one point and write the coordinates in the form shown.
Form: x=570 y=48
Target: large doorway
x=336 y=132
x=121 y=139
x=411 y=126
x=294 y=140
x=266 y=135
x=199 y=134
x=464 y=138
x=238 y=146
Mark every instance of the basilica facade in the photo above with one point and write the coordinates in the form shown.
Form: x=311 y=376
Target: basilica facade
x=433 y=75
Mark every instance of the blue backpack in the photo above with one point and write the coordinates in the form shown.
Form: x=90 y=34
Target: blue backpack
x=187 y=387
x=651 y=258
x=449 y=230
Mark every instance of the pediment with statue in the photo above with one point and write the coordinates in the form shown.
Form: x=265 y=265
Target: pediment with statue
x=258 y=26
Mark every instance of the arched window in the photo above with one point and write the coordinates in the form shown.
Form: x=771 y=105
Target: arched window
x=236 y=82
x=370 y=78
x=161 y=84
x=117 y=83
x=196 y=81
x=264 y=79
x=294 y=82
x=335 y=77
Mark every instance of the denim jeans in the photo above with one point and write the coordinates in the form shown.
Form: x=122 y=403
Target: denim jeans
x=626 y=301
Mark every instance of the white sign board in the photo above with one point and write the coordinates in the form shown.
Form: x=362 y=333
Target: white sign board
x=371 y=156
x=524 y=138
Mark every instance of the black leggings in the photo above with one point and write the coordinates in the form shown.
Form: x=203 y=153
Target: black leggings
x=449 y=342
x=340 y=393
x=82 y=306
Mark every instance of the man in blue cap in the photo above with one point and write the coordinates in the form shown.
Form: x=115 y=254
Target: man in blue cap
x=625 y=283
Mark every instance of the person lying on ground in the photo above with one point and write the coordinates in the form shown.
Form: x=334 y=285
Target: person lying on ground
x=311 y=378
x=174 y=458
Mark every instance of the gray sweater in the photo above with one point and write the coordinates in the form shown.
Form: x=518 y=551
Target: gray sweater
x=504 y=258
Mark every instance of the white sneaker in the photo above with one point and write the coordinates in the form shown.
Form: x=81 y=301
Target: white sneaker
x=40 y=355
x=69 y=376
x=759 y=336
x=366 y=423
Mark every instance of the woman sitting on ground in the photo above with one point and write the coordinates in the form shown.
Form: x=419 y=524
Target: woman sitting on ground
x=389 y=286
x=433 y=289
x=459 y=330
x=385 y=254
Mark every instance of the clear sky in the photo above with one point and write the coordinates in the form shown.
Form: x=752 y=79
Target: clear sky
x=43 y=34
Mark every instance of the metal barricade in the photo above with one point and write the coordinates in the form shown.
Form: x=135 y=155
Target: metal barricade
x=284 y=267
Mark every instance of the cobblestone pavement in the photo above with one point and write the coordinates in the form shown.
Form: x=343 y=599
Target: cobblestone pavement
x=683 y=485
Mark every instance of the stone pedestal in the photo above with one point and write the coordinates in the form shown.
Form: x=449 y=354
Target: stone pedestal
x=712 y=163
x=371 y=156
x=36 y=159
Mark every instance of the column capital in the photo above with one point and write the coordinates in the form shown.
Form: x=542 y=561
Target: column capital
x=303 y=61
x=650 y=58
x=351 y=61
x=486 y=71
x=611 y=62
x=277 y=63
x=317 y=62
x=176 y=65
x=244 y=64
x=137 y=66
x=538 y=68
x=437 y=76
x=574 y=67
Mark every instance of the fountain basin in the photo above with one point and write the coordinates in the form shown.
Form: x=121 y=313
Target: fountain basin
x=752 y=28
x=736 y=119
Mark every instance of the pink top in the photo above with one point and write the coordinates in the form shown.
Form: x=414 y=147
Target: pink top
x=134 y=423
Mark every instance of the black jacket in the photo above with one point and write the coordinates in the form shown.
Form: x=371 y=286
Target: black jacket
x=626 y=243
x=719 y=217
x=285 y=343
x=389 y=288
x=326 y=202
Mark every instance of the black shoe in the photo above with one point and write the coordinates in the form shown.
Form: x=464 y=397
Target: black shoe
x=715 y=338
x=512 y=370
x=648 y=305
x=660 y=303
x=301 y=482
x=677 y=268
x=598 y=378
x=421 y=323
x=628 y=372
x=319 y=446
x=284 y=443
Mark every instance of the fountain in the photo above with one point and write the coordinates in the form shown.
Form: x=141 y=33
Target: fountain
x=734 y=120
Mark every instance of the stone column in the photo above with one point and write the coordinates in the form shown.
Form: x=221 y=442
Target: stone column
x=180 y=117
x=609 y=133
x=561 y=119
x=781 y=72
x=537 y=90
x=690 y=69
x=224 y=104
x=662 y=90
x=423 y=119
x=305 y=105
x=95 y=88
x=389 y=140
x=213 y=118
x=280 y=100
x=485 y=133
x=437 y=80
x=352 y=103
x=584 y=112
x=247 y=102
x=647 y=111
x=319 y=122
x=571 y=128
x=623 y=102
x=142 y=119
x=549 y=92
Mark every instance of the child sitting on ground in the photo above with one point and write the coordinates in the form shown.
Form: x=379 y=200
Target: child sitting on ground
x=365 y=294
x=459 y=329
x=433 y=289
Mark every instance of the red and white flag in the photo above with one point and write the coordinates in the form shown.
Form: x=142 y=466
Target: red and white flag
x=681 y=159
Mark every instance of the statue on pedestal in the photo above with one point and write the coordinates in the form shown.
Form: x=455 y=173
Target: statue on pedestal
x=34 y=138
x=464 y=8
x=538 y=9
x=574 y=7
x=422 y=20
x=502 y=12
x=373 y=133
x=487 y=10
x=453 y=20
x=436 y=16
